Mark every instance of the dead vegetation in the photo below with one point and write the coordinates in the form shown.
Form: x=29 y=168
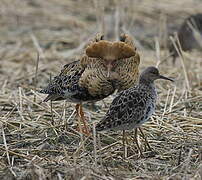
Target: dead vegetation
x=38 y=140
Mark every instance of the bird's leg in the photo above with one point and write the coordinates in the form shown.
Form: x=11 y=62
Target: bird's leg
x=145 y=139
x=124 y=145
x=136 y=141
x=104 y=104
x=86 y=128
x=79 y=128
x=83 y=120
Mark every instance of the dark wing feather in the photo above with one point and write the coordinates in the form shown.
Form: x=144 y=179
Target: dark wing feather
x=66 y=81
x=127 y=107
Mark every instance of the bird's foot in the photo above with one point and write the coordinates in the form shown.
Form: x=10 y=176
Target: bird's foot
x=85 y=131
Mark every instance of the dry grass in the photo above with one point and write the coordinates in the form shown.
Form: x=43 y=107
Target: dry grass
x=38 y=140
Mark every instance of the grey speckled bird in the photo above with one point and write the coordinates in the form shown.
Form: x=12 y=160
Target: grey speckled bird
x=134 y=106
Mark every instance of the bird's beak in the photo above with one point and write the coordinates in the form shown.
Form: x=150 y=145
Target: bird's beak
x=166 y=78
x=109 y=68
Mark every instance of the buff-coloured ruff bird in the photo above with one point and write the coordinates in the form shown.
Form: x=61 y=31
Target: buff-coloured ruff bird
x=90 y=79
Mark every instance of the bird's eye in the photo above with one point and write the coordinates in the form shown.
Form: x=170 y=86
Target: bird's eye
x=154 y=73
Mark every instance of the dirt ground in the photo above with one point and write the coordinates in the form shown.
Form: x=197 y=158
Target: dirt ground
x=38 y=140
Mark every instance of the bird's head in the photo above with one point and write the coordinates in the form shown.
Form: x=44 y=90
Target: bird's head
x=151 y=74
x=110 y=52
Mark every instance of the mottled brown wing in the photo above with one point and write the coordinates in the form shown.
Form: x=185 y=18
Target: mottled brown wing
x=66 y=81
x=71 y=68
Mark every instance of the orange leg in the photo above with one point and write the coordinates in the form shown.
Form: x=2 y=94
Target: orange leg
x=80 y=113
